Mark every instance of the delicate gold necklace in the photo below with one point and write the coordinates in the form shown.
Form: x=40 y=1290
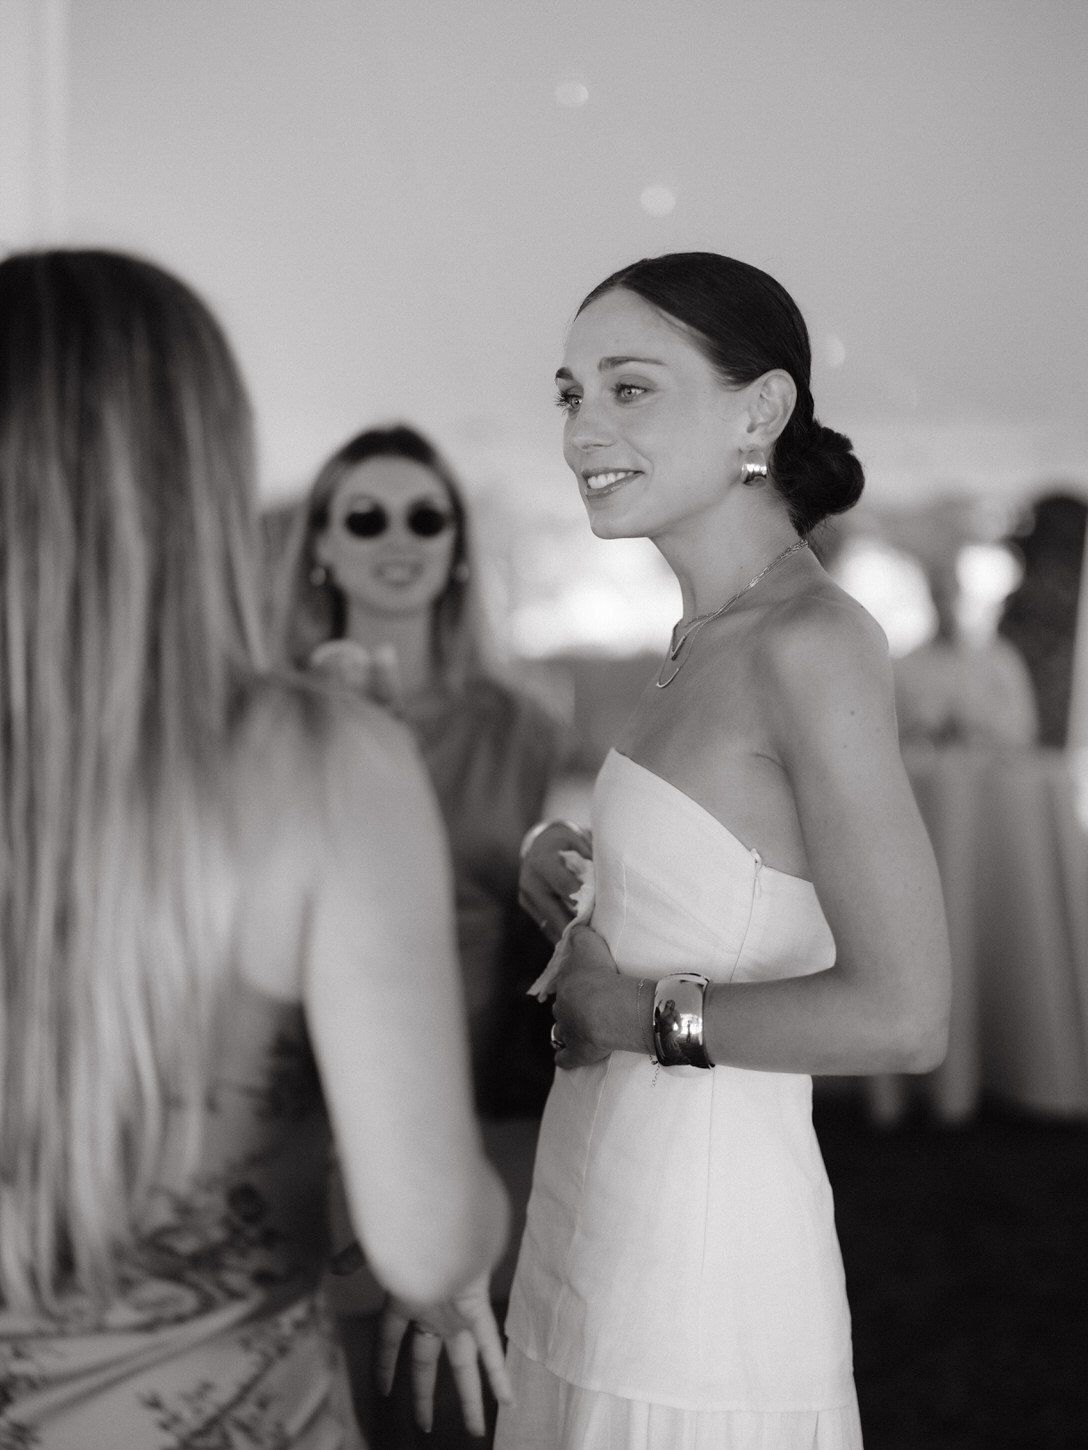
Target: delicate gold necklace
x=696 y=624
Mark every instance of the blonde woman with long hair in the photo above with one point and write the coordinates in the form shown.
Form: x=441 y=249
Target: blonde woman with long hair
x=225 y=923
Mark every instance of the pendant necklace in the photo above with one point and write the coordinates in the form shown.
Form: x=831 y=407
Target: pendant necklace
x=680 y=639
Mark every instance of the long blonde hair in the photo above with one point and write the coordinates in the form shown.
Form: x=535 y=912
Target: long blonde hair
x=128 y=649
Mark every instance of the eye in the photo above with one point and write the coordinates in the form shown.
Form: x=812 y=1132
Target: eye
x=567 y=401
x=366 y=520
x=427 y=520
x=628 y=392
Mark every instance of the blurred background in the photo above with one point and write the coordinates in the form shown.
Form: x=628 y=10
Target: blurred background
x=395 y=210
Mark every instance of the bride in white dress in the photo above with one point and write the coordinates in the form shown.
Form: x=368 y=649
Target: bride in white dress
x=679 y=1282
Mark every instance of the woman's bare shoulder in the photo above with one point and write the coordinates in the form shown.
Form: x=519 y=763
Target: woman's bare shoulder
x=822 y=629
x=825 y=671
x=308 y=756
x=320 y=784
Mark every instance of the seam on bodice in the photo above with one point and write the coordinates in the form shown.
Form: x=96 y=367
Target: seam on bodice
x=756 y=864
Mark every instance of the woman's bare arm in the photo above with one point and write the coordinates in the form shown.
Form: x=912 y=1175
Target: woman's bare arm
x=383 y=1000
x=883 y=1006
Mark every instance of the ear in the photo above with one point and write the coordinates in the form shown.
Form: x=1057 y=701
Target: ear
x=774 y=397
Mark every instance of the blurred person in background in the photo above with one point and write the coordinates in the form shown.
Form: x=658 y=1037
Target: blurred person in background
x=382 y=592
x=1040 y=615
x=765 y=906
x=225 y=922
x=377 y=588
x=958 y=690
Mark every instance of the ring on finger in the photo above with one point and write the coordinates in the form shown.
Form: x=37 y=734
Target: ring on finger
x=423 y=1333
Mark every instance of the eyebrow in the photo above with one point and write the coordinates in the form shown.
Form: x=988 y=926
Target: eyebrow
x=607 y=363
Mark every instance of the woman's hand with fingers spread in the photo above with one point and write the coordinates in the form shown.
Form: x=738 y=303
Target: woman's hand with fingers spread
x=465 y=1326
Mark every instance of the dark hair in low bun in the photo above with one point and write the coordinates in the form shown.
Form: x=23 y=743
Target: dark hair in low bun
x=817 y=474
x=747 y=324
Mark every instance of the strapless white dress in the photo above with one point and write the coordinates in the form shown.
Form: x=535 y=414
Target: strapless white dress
x=679 y=1282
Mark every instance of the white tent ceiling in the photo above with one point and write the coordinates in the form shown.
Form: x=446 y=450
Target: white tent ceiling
x=396 y=207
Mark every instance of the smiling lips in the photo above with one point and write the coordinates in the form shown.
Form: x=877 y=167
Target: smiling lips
x=599 y=482
x=399 y=572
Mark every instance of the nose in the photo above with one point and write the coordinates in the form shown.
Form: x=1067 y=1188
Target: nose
x=590 y=427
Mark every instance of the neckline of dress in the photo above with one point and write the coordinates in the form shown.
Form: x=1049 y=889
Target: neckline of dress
x=750 y=851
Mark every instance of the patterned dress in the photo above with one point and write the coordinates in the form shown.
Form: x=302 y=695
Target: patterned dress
x=218 y=1338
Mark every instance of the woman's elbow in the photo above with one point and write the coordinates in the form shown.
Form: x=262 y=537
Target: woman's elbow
x=927 y=1050
x=920 y=1040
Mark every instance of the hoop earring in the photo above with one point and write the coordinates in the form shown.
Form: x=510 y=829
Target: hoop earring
x=753 y=474
x=319 y=576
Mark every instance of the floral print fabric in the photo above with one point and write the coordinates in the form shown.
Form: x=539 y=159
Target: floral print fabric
x=218 y=1338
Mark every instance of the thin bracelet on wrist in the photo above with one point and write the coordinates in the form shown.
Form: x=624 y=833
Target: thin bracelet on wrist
x=648 y=1037
x=678 y=1020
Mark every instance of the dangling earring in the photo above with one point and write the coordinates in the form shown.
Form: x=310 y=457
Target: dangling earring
x=460 y=573
x=319 y=575
x=753 y=474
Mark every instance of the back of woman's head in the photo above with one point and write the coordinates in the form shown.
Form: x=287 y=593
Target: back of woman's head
x=747 y=324
x=130 y=635
x=126 y=480
x=312 y=608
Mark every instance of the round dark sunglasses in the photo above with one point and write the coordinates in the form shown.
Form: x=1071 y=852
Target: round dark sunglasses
x=369 y=520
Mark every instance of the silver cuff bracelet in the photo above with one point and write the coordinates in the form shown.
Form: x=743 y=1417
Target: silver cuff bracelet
x=678 y=1021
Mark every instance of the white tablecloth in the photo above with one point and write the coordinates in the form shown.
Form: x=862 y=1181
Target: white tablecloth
x=1013 y=857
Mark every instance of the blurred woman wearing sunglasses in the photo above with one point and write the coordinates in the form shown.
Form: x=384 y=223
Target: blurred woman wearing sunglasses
x=378 y=591
x=381 y=591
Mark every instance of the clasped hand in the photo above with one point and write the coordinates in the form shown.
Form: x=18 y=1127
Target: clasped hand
x=465 y=1327
x=589 y=1002
x=589 y=1007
